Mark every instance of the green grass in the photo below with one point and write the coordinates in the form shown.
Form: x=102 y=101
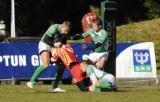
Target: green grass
x=129 y=93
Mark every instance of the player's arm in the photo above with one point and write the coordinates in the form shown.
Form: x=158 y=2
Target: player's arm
x=83 y=35
x=91 y=75
x=54 y=54
x=77 y=37
x=91 y=47
x=103 y=37
x=48 y=40
x=94 y=81
x=48 y=37
x=93 y=78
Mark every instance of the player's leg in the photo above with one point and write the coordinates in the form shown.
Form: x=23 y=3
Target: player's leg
x=60 y=71
x=101 y=59
x=84 y=84
x=102 y=85
x=101 y=63
x=44 y=51
x=45 y=62
x=79 y=76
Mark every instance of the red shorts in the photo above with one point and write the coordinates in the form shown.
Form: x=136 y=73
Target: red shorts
x=77 y=73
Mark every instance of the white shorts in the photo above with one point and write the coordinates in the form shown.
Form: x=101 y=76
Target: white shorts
x=95 y=57
x=43 y=47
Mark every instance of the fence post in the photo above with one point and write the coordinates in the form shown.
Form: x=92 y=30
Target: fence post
x=108 y=15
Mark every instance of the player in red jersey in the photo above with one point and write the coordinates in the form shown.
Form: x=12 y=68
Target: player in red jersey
x=68 y=57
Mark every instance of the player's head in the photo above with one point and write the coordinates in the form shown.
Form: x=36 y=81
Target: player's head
x=96 y=24
x=57 y=42
x=84 y=65
x=65 y=27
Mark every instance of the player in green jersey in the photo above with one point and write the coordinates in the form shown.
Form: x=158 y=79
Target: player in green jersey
x=101 y=81
x=99 y=36
x=45 y=45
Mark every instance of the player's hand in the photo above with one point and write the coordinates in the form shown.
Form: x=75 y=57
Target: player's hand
x=52 y=51
x=74 y=80
x=52 y=60
x=92 y=88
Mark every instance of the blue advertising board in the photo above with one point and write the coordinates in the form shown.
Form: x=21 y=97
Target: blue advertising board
x=20 y=59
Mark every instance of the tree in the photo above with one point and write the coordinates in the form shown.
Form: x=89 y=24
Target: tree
x=153 y=8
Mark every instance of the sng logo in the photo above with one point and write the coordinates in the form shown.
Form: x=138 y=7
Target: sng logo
x=142 y=61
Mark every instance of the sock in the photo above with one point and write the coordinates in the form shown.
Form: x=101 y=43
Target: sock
x=37 y=72
x=104 y=85
x=59 y=75
x=97 y=89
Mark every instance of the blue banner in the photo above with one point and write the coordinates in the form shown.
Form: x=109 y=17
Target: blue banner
x=20 y=59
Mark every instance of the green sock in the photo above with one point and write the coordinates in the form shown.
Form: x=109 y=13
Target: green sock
x=104 y=85
x=97 y=89
x=37 y=72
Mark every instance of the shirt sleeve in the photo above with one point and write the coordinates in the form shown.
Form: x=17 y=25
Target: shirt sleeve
x=52 y=30
x=103 y=37
x=88 y=33
x=93 y=78
x=89 y=70
x=91 y=74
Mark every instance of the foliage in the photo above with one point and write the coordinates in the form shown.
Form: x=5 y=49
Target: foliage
x=137 y=10
x=33 y=17
x=153 y=8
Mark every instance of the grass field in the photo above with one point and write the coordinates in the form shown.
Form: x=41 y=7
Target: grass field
x=129 y=93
